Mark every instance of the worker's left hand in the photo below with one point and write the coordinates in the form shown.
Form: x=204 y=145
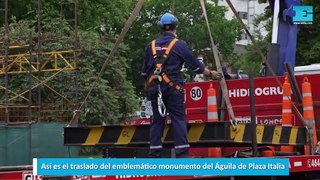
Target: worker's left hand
x=216 y=75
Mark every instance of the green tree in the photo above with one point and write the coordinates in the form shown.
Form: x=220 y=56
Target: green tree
x=114 y=96
x=308 y=45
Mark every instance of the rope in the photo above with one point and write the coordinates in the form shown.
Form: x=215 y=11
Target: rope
x=124 y=31
x=222 y=81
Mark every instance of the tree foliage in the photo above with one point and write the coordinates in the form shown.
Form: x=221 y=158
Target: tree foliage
x=114 y=97
x=308 y=46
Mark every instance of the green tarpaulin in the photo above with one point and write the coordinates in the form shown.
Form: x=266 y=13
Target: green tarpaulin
x=19 y=144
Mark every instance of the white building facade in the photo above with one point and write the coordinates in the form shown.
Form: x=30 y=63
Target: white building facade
x=248 y=11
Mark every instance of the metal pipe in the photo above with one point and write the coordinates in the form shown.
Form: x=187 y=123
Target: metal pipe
x=253 y=114
x=294 y=83
x=29 y=144
x=30 y=79
x=6 y=34
x=6 y=148
x=76 y=54
x=275 y=25
x=221 y=105
x=39 y=58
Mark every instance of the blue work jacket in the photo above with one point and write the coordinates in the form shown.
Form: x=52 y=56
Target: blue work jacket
x=179 y=54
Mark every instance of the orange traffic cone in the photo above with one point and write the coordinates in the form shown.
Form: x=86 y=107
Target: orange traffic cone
x=268 y=153
x=286 y=110
x=212 y=117
x=212 y=105
x=308 y=112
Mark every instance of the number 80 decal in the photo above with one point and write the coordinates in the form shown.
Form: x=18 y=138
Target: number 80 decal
x=196 y=93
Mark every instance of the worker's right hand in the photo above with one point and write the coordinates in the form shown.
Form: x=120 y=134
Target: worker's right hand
x=216 y=75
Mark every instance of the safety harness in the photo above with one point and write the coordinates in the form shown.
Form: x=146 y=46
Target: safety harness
x=160 y=76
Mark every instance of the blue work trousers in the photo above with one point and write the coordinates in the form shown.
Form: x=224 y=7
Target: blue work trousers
x=174 y=102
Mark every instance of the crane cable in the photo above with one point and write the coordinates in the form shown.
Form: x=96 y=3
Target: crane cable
x=124 y=31
x=222 y=81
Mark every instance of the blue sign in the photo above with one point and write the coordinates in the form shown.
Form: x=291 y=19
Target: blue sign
x=162 y=166
x=303 y=14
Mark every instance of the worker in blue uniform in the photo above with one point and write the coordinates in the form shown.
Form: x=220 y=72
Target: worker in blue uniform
x=164 y=58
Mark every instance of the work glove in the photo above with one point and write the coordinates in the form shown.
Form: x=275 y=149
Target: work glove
x=216 y=75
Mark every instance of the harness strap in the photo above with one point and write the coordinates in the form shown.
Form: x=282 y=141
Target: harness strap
x=166 y=53
x=159 y=63
x=153 y=48
x=167 y=80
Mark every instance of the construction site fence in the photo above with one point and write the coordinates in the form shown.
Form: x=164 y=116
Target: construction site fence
x=19 y=144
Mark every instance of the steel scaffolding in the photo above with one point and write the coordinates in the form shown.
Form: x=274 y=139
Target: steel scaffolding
x=28 y=61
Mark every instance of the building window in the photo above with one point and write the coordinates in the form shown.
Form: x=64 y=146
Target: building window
x=244 y=36
x=243 y=15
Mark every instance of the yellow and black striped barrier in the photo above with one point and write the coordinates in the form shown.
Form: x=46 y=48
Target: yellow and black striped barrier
x=270 y=135
x=199 y=134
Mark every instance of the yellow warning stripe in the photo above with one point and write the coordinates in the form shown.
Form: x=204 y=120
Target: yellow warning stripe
x=276 y=135
x=126 y=135
x=94 y=136
x=239 y=133
x=293 y=135
x=259 y=132
x=195 y=132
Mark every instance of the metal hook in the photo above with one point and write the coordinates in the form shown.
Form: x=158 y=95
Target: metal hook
x=161 y=107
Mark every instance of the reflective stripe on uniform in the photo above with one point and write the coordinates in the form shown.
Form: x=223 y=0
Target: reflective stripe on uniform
x=161 y=48
x=156 y=147
x=196 y=69
x=182 y=146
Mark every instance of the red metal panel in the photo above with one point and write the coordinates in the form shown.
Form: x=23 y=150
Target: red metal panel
x=304 y=163
x=268 y=99
x=18 y=175
x=11 y=175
